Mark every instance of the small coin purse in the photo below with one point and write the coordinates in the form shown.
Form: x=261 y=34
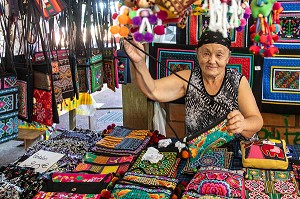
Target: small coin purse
x=264 y=154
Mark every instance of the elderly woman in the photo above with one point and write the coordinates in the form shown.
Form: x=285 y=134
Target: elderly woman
x=210 y=91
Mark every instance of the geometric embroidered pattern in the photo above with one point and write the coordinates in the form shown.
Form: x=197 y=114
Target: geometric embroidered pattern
x=22 y=99
x=281 y=83
x=271 y=184
x=286 y=79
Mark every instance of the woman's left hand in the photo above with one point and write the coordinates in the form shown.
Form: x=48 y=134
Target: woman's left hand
x=236 y=122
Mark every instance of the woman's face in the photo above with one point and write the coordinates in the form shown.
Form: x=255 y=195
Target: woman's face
x=213 y=59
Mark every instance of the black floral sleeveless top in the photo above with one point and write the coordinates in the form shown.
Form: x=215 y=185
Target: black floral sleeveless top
x=201 y=111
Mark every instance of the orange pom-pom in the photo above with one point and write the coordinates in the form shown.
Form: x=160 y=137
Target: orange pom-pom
x=174 y=196
x=185 y=154
x=105 y=193
x=123 y=19
x=124 y=31
x=114 y=30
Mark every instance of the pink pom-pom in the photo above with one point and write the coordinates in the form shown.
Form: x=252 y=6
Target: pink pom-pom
x=137 y=21
x=159 y=30
x=163 y=15
x=148 y=37
x=243 y=22
x=152 y=19
x=138 y=36
x=276 y=5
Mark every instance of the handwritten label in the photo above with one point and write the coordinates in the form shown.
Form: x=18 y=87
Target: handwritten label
x=42 y=160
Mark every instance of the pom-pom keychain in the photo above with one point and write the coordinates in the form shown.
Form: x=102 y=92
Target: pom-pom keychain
x=120 y=22
x=264 y=30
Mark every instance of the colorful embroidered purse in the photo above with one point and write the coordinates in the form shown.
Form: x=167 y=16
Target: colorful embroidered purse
x=209 y=138
x=216 y=182
x=271 y=184
x=126 y=191
x=264 y=154
x=8 y=107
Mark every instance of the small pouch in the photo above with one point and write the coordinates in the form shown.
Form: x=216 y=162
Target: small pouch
x=209 y=138
x=264 y=154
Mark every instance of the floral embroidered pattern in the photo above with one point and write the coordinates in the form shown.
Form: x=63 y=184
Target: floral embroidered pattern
x=215 y=181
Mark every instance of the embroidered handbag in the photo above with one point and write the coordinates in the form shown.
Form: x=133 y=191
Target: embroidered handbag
x=45 y=107
x=123 y=67
x=209 y=138
x=55 y=184
x=264 y=154
x=109 y=68
x=25 y=86
x=96 y=67
x=65 y=73
x=8 y=107
x=271 y=184
x=216 y=182
x=127 y=191
x=84 y=74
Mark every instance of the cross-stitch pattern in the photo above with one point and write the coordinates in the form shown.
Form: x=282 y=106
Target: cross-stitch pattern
x=289 y=35
x=271 y=184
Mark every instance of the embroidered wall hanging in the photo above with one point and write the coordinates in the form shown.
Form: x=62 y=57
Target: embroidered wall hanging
x=243 y=63
x=214 y=181
x=289 y=36
x=161 y=168
x=175 y=57
x=281 y=85
x=271 y=184
x=196 y=25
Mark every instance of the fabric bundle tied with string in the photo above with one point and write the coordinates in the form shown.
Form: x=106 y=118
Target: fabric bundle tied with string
x=214 y=135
